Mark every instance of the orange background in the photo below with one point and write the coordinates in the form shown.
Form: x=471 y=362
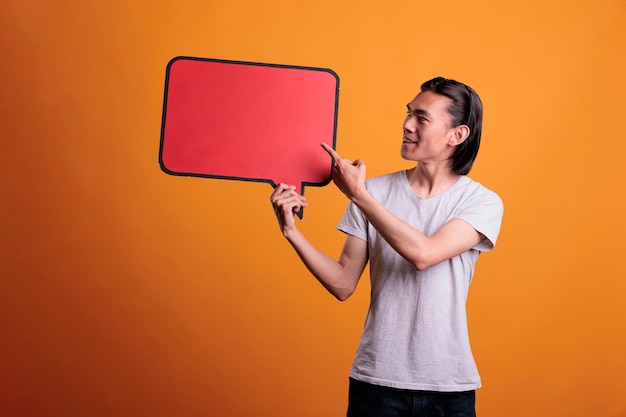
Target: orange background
x=128 y=292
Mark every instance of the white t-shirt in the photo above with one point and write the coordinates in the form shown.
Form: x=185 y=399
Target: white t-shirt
x=415 y=334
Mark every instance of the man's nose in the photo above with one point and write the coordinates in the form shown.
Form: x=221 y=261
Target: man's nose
x=409 y=124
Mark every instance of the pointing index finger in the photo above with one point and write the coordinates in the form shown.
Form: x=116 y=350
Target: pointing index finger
x=332 y=153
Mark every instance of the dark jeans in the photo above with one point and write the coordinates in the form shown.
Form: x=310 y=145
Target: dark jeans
x=367 y=400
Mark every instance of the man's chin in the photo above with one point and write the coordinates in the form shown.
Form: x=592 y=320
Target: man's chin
x=404 y=154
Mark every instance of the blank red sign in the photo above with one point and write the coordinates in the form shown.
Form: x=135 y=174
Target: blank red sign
x=248 y=121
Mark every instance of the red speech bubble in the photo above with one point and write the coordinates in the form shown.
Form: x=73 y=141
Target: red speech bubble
x=248 y=121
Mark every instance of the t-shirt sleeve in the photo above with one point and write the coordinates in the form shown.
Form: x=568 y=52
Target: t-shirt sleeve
x=484 y=213
x=353 y=222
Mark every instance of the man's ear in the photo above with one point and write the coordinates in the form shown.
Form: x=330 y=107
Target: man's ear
x=460 y=134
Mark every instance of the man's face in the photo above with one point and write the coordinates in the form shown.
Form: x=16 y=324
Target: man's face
x=428 y=132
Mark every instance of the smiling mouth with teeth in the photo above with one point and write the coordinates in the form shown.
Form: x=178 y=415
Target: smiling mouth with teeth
x=407 y=140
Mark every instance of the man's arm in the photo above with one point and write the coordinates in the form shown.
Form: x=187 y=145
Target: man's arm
x=339 y=277
x=453 y=238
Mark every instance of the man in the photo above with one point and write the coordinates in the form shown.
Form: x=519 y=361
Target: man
x=421 y=231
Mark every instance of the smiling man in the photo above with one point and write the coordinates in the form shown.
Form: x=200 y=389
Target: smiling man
x=421 y=230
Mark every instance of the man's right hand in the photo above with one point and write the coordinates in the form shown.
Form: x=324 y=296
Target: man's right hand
x=286 y=201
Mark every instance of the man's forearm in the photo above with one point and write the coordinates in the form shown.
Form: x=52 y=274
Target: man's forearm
x=330 y=273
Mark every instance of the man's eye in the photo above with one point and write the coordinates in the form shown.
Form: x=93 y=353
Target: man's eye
x=422 y=119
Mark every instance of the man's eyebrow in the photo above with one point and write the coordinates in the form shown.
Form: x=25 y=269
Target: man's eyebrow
x=417 y=111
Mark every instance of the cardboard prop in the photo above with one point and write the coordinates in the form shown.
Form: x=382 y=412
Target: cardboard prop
x=248 y=121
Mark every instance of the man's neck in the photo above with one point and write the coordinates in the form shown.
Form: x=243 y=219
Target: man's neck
x=428 y=181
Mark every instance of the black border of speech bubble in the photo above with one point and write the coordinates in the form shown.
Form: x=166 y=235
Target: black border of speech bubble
x=225 y=61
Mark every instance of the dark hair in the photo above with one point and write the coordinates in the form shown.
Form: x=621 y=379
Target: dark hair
x=466 y=109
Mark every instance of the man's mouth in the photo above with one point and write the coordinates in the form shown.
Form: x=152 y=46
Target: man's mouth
x=407 y=140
